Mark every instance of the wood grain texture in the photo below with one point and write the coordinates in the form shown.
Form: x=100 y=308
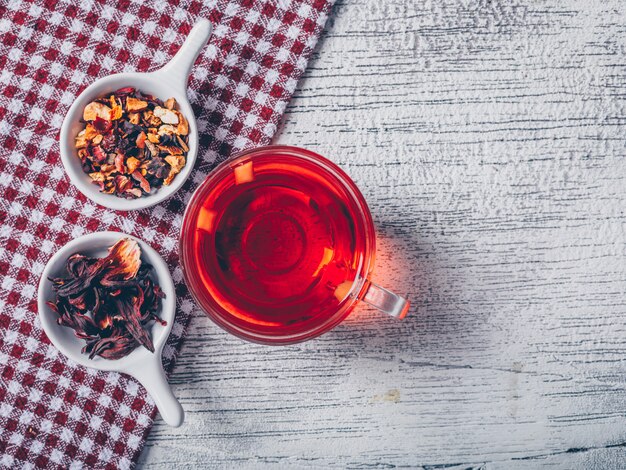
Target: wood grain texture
x=488 y=138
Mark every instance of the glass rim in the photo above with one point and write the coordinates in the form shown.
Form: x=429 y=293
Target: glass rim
x=212 y=308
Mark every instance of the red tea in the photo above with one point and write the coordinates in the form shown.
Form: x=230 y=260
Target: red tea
x=276 y=245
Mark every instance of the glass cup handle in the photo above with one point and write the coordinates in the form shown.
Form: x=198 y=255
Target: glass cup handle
x=386 y=301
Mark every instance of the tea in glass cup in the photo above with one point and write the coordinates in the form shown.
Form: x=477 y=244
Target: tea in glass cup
x=277 y=245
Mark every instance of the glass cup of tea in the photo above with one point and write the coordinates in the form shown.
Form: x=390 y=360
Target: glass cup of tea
x=278 y=245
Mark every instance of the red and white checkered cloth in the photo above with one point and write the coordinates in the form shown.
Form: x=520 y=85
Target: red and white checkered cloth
x=53 y=413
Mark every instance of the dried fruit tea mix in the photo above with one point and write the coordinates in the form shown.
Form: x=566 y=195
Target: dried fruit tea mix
x=132 y=143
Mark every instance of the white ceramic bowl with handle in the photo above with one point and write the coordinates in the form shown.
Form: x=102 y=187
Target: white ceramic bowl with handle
x=141 y=364
x=169 y=81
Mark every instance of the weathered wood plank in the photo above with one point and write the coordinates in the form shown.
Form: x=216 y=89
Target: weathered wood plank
x=488 y=138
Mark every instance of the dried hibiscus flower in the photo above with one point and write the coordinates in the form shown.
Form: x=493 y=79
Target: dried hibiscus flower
x=109 y=302
x=132 y=143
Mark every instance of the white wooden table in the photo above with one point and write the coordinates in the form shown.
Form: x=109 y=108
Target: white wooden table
x=489 y=139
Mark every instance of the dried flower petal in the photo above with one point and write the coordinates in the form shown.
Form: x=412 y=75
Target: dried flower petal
x=109 y=141
x=119 y=163
x=143 y=183
x=122 y=183
x=102 y=125
x=141 y=140
x=75 y=286
x=77 y=265
x=123 y=261
x=98 y=154
x=127 y=310
x=122 y=346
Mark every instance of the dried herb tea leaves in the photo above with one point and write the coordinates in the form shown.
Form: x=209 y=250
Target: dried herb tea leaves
x=109 y=302
x=132 y=143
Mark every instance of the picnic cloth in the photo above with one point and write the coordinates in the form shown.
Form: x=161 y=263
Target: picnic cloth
x=54 y=413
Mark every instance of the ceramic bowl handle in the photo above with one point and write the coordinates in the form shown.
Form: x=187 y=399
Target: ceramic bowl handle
x=386 y=301
x=176 y=71
x=152 y=377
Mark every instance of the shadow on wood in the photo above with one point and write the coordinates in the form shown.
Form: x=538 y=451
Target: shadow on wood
x=409 y=265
